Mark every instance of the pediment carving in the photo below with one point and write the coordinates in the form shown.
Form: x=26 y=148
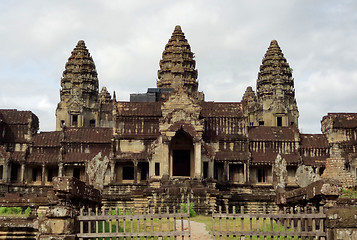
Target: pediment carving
x=181 y=110
x=75 y=104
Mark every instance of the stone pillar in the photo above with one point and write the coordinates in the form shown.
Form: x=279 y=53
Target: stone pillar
x=120 y=174
x=22 y=173
x=9 y=167
x=198 y=162
x=225 y=171
x=211 y=168
x=80 y=121
x=164 y=169
x=151 y=169
x=135 y=162
x=60 y=169
x=86 y=177
x=245 y=173
x=43 y=177
x=5 y=172
x=112 y=171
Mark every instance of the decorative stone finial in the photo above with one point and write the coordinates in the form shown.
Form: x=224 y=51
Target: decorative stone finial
x=81 y=43
x=249 y=89
x=178 y=28
x=274 y=43
x=248 y=94
x=104 y=96
x=249 y=97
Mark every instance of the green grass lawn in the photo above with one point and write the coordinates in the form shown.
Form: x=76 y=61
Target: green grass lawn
x=349 y=193
x=231 y=225
x=168 y=225
x=155 y=225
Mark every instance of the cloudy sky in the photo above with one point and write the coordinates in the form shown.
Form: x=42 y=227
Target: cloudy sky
x=229 y=39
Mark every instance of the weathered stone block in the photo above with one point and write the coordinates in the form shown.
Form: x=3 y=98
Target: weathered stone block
x=56 y=226
x=60 y=212
x=315 y=192
x=75 y=188
x=133 y=146
x=341 y=217
x=345 y=234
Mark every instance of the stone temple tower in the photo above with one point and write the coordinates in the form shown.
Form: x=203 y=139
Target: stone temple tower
x=80 y=100
x=275 y=90
x=177 y=66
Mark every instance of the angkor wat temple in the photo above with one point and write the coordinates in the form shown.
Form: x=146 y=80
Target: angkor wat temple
x=169 y=143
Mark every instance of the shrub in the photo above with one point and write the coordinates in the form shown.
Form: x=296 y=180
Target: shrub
x=190 y=208
x=2 y=210
x=10 y=210
x=27 y=211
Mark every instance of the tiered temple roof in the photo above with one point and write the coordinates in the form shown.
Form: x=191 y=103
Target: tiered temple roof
x=177 y=66
x=17 y=124
x=275 y=73
x=80 y=73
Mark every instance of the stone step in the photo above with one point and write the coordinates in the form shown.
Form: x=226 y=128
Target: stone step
x=17 y=235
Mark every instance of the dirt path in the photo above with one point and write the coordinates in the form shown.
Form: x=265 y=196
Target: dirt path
x=198 y=230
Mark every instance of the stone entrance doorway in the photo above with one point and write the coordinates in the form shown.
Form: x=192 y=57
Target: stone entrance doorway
x=181 y=162
x=181 y=155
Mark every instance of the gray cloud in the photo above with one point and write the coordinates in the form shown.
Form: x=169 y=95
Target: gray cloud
x=229 y=38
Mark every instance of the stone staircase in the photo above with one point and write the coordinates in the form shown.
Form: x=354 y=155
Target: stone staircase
x=17 y=228
x=17 y=235
x=178 y=191
x=166 y=192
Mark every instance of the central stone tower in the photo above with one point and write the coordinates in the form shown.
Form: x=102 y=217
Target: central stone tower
x=177 y=66
x=275 y=90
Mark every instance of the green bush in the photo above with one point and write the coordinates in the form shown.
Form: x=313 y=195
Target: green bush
x=192 y=211
x=10 y=210
x=2 y=210
x=27 y=211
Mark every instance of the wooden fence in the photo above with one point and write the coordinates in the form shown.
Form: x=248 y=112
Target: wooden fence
x=289 y=223
x=129 y=223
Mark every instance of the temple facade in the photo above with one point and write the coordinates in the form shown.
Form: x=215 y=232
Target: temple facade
x=169 y=141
